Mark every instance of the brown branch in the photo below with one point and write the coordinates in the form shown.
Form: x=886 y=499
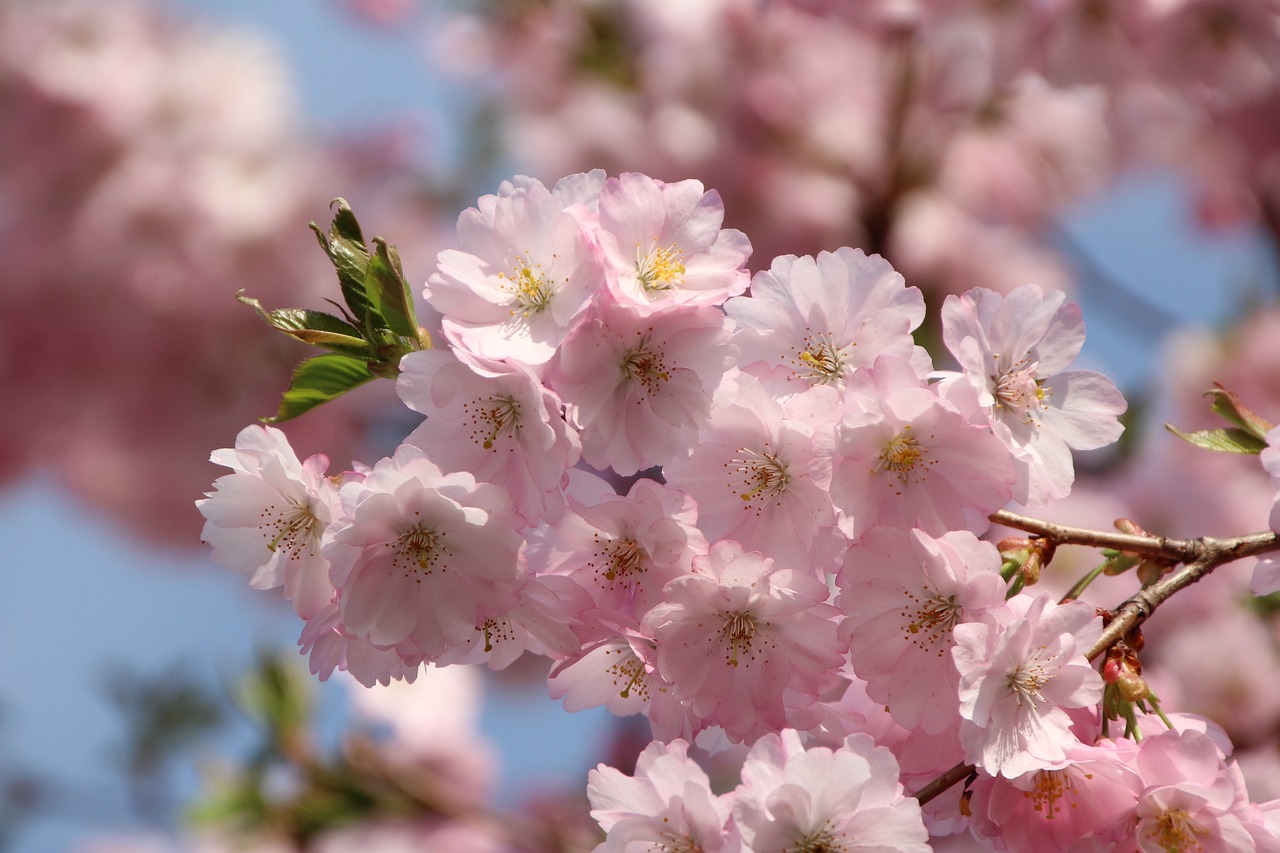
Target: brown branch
x=1061 y=534
x=1200 y=557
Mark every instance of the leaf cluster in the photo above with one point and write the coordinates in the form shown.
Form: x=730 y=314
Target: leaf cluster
x=377 y=326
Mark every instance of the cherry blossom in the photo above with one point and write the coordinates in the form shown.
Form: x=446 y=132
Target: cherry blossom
x=748 y=645
x=907 y=457
x=902 y=593
x=667 y=805
x=846 y=799
x=639 y=387
x=1188 y=798
x=1017 y=680
x=818 y=319
x=613 y=672
x=523 y=274
x=269 y=515
x=662 y=244
x=1266 y=575
x=750 y=473
x=1055 y=809
x=623 y=550
x=420 y=555
x=1014 y=350
x=504 y=427
x=328 y=650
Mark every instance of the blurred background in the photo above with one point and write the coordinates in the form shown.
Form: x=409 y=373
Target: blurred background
x=156 y=157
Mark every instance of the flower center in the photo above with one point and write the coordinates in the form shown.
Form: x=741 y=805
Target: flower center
x=496 y=630
x=900 y=455
x=645 y=367
x=624 y=559
x=930 y=619
x=661 y=269
x=497 y=416
x=629 y=672
x=671 y=842
x=822 y=361
x=1051 y=787
x=763 y=472
x=738 y=632
x=1025 y=682
x=418 y=546
x=1176 y=832
x=821 y=840
x=1018 y=391
x=297 y=530
x=531 y=289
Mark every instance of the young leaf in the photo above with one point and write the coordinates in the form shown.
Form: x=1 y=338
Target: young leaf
x=313 y=327
x=1230 y=440
x=345 y=247
x=319 y=380
x=1229 y=406
x=388 y=292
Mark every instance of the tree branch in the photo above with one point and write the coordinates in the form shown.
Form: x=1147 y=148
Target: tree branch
x=1199 y=558
x=1061 y=534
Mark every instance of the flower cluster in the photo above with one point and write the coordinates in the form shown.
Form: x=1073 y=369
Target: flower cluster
x=748 y=508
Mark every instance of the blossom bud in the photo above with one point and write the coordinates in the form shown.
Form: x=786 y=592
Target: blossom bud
x=1131 y=527
x=1023 y=558
x=1150 y=571
x=1123 y=669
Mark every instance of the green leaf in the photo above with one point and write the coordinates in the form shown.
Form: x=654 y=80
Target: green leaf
x=388 y=292
x=1229 y=406
x=1225 y=440
x=313 y=327
x=345 y=247
x=319 y=380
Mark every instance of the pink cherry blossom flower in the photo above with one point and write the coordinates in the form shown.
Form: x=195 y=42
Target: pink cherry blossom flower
x=268 y=517
x=616 y=670
x=421 y=555
x=1014 y=350
x=910 y=459
x=623 y=550
x=750 y=474
x=667 y=805
x=523 y=275
x=902 y=593
x=818 y=319
x=503 y=427
x=612 y=671
x=663 y=246
x=541 y=622
x=639 y=387
x=846 y=799
x=328 y=649
x=1018 y=676
x=745 y=644
x=1055 y=809
x=1189 y=798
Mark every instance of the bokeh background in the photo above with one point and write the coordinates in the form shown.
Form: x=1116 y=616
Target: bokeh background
x=156 y=157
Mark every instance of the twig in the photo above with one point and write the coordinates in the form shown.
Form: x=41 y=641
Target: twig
x=1061 y=534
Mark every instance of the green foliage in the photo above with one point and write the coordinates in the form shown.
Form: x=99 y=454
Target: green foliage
x=377 y=329
x=1248 y=433
x=319 y=380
